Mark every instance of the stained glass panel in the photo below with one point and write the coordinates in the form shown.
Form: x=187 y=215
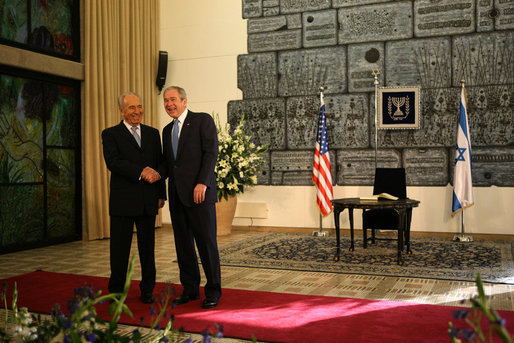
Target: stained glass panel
x=40 y=193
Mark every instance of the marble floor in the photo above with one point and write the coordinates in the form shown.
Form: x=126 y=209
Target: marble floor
x=92 y=258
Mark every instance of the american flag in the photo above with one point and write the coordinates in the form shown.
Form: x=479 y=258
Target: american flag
x=322 y=173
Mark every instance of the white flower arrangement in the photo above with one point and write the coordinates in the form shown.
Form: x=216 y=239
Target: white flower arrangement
x=239 y=160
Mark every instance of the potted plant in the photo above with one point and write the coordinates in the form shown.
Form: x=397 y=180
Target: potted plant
x=239 y=161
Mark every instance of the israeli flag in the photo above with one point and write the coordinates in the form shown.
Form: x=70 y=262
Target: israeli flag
x=462 y=184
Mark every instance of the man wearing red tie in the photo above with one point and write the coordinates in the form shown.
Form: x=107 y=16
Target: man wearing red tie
x=190 y=150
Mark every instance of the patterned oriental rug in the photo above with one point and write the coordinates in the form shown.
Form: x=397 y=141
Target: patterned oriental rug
x=432 y=257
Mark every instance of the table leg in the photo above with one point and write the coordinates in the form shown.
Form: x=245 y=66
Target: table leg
x=364 y=237
x=338 y=235
x=407 y=230
x=350 y=214
x=401 y=221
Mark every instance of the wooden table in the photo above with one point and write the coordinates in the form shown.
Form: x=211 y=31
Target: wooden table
x=402 y=206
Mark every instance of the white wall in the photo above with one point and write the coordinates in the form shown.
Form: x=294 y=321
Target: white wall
x=203 y=39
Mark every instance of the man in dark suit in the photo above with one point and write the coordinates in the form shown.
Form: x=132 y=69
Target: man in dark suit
x=132 y=152
x=190 y=150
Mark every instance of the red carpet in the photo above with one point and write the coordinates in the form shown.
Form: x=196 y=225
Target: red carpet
x=272 y=317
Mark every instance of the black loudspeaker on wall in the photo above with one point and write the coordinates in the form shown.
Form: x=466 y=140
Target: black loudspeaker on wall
x=162 y=70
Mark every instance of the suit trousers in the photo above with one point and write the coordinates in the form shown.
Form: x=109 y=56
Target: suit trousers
x=121 y=240
x=190 y=225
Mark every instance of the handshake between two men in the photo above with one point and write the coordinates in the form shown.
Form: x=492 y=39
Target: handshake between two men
x=150 y=175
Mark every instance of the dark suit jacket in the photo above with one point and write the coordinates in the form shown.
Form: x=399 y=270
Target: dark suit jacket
x=196 y=158
x=130 y=196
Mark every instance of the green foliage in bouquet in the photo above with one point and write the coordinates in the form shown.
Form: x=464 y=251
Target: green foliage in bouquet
x=81 y=324
x=481 y=314
x=239 y=160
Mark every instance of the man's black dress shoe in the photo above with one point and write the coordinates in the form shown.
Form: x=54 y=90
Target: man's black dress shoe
x=184 y=299
x=210 y=302
x=147 y=298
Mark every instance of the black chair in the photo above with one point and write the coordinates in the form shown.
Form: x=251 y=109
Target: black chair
x=392 y=181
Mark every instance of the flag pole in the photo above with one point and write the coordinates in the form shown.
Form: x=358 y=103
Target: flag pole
x=463 y=237
x=375 y=73
x=320 y=233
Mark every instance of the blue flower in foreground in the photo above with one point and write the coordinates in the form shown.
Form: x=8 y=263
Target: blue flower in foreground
x=499 y=321
x=56 y=311
x=468 y=334
x=206 y=337
x=77 y=326
x=480 y=308
x=67 y=323
x=91 y=337
x=460 y=314
x=72 y=305
x=454 y=332
x=85 y=291
x=219 y=327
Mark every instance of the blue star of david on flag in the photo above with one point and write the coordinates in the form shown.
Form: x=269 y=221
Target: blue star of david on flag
x=460 y=154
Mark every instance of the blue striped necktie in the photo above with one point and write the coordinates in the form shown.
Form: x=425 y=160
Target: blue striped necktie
x=174 y=137
x=136 y=136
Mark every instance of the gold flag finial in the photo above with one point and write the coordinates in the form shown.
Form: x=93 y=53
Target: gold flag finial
x=375 y=73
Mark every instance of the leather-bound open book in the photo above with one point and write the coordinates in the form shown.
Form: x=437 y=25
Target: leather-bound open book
x=386 y=196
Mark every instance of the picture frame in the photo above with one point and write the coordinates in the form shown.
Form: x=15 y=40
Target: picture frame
x=398 y=108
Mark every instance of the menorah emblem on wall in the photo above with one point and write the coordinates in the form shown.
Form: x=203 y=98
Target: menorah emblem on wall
x=398 y=107
x=398 y=102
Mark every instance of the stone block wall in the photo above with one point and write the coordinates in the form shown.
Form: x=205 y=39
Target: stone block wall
x=297 y=46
